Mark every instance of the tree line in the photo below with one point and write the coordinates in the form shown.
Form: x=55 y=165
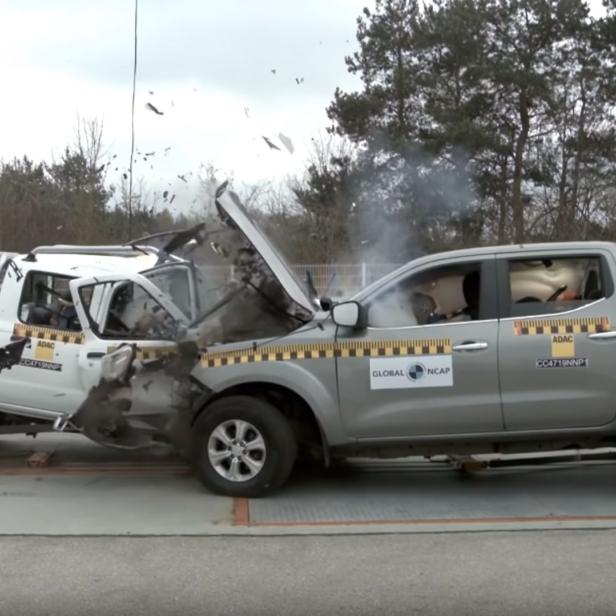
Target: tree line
x=477 y=122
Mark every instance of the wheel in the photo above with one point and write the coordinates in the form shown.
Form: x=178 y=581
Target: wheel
x=243 y=446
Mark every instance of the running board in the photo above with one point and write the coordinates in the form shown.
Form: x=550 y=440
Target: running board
x=471 y=463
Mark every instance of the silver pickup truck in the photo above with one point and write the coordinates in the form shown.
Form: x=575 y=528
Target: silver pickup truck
x=498 y=349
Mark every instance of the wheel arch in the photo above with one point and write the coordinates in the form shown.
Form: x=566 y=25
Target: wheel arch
x=304 y=421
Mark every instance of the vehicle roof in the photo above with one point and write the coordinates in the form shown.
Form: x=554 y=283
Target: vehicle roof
x=79 y=265
x=485 y=251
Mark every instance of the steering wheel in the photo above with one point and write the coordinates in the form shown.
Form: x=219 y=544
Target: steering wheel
x=557 y=293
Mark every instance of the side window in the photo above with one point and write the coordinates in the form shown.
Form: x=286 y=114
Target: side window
x=444 y=294
x=548 y=285
x=126 y=310
x=175 y=282
x=46 y=301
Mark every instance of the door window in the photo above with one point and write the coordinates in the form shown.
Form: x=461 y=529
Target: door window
x=124 y=310
x=175 y=282
x=46 y=301
x=444 y=294
x=554 y=284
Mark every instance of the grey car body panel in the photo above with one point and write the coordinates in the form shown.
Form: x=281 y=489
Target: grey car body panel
x=314 y=380
x=472 y=404
x=536 y=398
x=473 y=410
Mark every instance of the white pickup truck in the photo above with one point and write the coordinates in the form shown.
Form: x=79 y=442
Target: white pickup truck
x=59 y=364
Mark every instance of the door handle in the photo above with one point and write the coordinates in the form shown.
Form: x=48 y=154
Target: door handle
x=603 y=336
x=95 y=355
x=470 y=346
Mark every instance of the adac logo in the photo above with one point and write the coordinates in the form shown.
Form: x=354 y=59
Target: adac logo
x=415 y=372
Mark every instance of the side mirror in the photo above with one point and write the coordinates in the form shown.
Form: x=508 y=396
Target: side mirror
x=346 y=314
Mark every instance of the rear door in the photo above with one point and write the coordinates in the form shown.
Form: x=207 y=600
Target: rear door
x=557 y=348
x=426 y=364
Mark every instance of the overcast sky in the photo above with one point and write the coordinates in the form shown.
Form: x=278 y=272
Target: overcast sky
x=209 y=63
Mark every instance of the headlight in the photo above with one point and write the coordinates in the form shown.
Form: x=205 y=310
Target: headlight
x=115 y=365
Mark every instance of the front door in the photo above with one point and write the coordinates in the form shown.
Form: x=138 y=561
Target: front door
x=117 y=310
x=46 y=382
x=426 y=364
x=557 y=348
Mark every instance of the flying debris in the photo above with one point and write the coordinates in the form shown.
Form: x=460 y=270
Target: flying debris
x=150 y=153
x=286 y=142
x=165 y=194
x=151 y=92
x=246 y=110
x=154 y=109
x=272 y=145
x=299 y=80
x=172 y=198
x=59 y=227
x=273 y=71
x=182 y=177
x=125 y=176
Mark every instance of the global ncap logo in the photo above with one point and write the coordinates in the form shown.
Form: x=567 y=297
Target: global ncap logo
x=415 y=372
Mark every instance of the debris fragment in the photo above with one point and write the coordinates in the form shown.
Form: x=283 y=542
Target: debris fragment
x=165 y=194
x=182 y=177
x=39 y=459
x=272 y=145
x=172 y=198
x=154 y=109
x=273 y=71
x=286 y=142
x=299 y=80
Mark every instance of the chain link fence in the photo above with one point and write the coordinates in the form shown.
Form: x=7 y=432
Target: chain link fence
x=336 y=280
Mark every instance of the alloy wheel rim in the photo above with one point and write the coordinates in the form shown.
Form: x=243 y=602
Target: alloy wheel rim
x=236 y=450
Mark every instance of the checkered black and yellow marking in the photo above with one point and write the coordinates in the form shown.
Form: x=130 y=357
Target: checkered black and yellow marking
x=329 y=350
x=541 y=327
x=150 y=353
x=48 y=333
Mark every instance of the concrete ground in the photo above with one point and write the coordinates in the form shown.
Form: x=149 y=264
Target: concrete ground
x=85 y=489
x=390 y=537
x=516 y=573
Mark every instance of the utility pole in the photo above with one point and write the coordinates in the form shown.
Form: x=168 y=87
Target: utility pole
x=132 y=131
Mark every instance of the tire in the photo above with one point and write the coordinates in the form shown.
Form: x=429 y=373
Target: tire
x=243 y=446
